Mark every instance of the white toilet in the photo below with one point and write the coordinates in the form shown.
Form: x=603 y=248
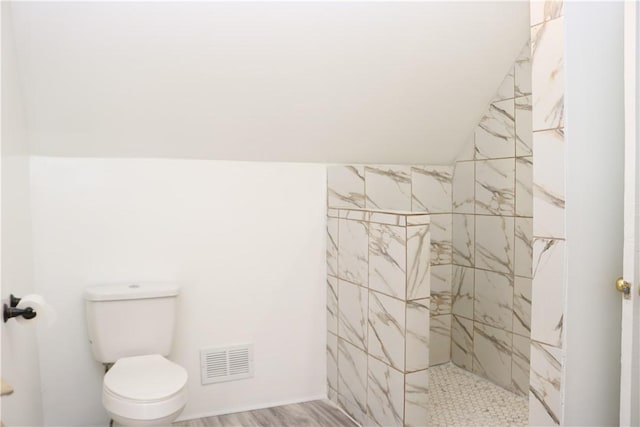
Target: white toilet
x=131 y=326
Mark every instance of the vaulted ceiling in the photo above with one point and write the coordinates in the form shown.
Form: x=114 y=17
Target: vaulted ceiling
x=365 y=82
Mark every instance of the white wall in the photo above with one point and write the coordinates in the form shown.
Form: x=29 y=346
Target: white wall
x=19 y=348
x=245 y=240
x=594 y=210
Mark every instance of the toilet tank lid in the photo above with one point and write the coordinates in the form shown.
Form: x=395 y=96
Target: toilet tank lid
x=124 y=291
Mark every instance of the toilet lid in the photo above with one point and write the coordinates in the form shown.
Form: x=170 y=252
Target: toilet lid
x=146 y=378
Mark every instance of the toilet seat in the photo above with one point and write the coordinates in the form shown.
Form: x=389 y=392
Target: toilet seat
x=144 y=387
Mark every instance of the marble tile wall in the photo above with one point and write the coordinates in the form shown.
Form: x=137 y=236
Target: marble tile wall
x=492 y=238
x=378 y=302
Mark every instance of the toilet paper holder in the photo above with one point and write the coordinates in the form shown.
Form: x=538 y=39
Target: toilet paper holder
x=12 y=310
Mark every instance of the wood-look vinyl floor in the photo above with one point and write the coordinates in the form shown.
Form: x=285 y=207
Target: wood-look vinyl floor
x=319 y=413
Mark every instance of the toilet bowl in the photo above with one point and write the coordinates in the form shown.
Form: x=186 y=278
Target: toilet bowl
x=144 y=390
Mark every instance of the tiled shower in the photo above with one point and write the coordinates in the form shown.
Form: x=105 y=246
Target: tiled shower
x=476 y=216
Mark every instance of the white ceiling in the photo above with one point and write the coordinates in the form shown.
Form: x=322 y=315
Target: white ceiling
x=365 y=82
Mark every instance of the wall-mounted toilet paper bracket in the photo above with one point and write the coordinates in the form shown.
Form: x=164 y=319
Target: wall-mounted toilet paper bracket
x=11 y=310
x=13 y=301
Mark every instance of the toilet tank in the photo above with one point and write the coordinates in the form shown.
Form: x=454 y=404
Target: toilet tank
x=130 y=319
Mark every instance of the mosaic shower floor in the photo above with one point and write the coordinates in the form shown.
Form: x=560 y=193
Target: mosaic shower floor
x=460 y=398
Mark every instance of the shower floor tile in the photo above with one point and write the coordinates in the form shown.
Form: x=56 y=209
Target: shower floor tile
x=460 y=398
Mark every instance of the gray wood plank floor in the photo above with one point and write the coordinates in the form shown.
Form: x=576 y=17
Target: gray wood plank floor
x=319 y=413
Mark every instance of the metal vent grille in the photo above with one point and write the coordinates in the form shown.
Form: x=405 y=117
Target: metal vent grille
x=226 y=363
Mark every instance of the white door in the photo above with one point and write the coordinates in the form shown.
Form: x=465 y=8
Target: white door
x=630 y=370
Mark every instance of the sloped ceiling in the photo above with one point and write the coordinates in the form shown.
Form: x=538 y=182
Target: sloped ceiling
x=364 y=82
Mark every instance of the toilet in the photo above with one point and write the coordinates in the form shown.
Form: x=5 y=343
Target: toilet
x=131 y=330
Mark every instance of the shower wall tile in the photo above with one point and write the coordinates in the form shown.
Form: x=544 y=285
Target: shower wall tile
x=547 y=78
x=431 y=189
x=332 y=361
x=493 y=302
x=345 y=186
x=332 y=394
x=548 y=184
x=544 y=390
x=354 y=411
x=353 y=312
x=522 y=80
x=387 y=259
x=548 y=291
x=495 y=135
x=492 y=354
x=462 y=342
x=524 y=135
x=417 y=335
x=387 y=329
x=388 y=187
x=463 y=291
x=385 y=394
x=332 y=305
x=332 y=246
x=524 y=184
x=523 y=246
x=416 y=397
x=464 y=187
x=495 y=188
x=441 y=289
x=353 y=255
x=463 y=239
x=506 y=88
x=522 y=306
x=544 y=10
x=352 y=377
x=494 y=243
x=520 y=365
x=418 y=265
x=387 y=219
x=441 y=244
x=440 y=339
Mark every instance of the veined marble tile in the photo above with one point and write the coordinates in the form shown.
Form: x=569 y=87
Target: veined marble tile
x=333 y=213
x=388 y=219
x=332 y=361
x=494 y=243
x=416 y=399
x=462 y=342
x=431 y=189
x=441 y=289
x=332 y=305
x=544 y=10
x=353 y=410
x=464 y=187
x=495 y=188
x=520 y=365
x=417 y=335
x=354 y=214
x=495 y=135
x=388 y=187
x=547 y=75
x=523 y=246
x=388 y=259
x=492 y=354
x=548 y=184
x=548 y=291
x=385 y=394
x=418 y=220
x=353 y=251
x=522 y=306
x=440 y=339
x=332 y=395
x=462 y=290
x=506 y=88
x=352 y=313
x=332 y=246
x=493 y=303
x=464 y=239
x=469 y=148
x=418 y=262
x=387 y=329
x=441 y=244
x=544 y=390
x=524 y=184
x=352 y=375
x=345 y=186
x=523 y=73
x=524 y=132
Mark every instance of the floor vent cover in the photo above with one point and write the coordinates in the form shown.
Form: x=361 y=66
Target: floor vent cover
x=226 y=363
